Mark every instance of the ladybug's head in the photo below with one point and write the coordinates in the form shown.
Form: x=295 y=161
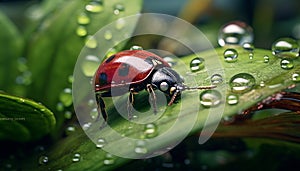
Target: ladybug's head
x=169 y=82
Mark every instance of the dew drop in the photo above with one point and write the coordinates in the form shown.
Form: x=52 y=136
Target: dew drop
x=65 y=97
x=120 y=23
x=69 y=130
x=248 y=47
x=90 y=65
x=296 y=77
x=94 y=6
x=70 y=79
x=230 y=55
x=266 y=59
x=94 y=113
x=216 y=79
x=86 y=126
x=108 y=35
x=171 y=61
x=232 y=99
x=135 y=47
x=235 y=33
x=100 y=143
x=43 y=160
x=285 y=48
x=81 y=31
x=91 y=42
x=118 y=8
x=251 y=55
x=83 y=19
x=150 y=130
x=140 y=147
x=68 y=115
x=111 y=52
x=22 y=64
x=76 y=158
x=197 y=64
x=286 y=64
x=242 y=82
x=262 y=84
x=109 y=159
x=210 y=98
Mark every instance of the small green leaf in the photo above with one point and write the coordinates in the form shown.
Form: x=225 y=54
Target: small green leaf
x=10 y=50
x=23 y=120
x=275 y=79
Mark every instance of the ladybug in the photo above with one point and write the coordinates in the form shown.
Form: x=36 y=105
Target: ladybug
x=133 y=71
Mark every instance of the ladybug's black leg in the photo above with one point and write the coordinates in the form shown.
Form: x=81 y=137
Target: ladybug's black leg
x=130 y=103
x=152 y=97
x=101 y=107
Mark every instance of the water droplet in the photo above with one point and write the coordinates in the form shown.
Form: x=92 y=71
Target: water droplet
x=91 y=102
x=68 y=115
x=235 y=33
x=286 y=64
x=86 y=126
x=109 y=159
x=210 y=98
x=76 y=157
x=43 y=159
x=266 y=59
x=150 y=130
x=135 y=47
x=285 y=48
x=111 y=52
x=262 y=84
x=94 y=113
x=65 y=97
x=60 y=107
x=100 y=143
x=118 y=8
x=216 y=79
x=248 y=46
x=108 y=35
x=296 y=77
x=171 y=61
x=232 y=99
x=83 y=19
x=120 y=23
x=94 y=6
x=90 y=65
x=251 y=55
x=70 y=79
x=242 y=82
x=91 y=42
x=140 y=147
x=230 y=55
x=81 y=31
x=197 y=64
x=69 y=130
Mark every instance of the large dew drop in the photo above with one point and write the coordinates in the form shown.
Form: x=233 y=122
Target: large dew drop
x=235 y=33
x=287 y=64
x=285 y=48
x=90 y=65
x=197 y=64
x=242 y=82
x=230 y=55
x=91 y=42
x=83 y=19
x=210 y=98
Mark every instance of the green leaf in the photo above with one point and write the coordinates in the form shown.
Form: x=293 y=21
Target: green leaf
x=275 y=79
x=23 y=120
x=10 y=51
x=53 y=50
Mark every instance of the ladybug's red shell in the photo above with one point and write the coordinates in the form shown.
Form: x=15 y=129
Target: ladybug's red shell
x=125 y=68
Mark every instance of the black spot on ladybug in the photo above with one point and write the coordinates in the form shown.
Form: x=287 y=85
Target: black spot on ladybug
x=102 y=78
x=123 y=69
x=110 y=58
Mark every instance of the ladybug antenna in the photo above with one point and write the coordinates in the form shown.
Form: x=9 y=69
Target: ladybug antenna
x=200 y=87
